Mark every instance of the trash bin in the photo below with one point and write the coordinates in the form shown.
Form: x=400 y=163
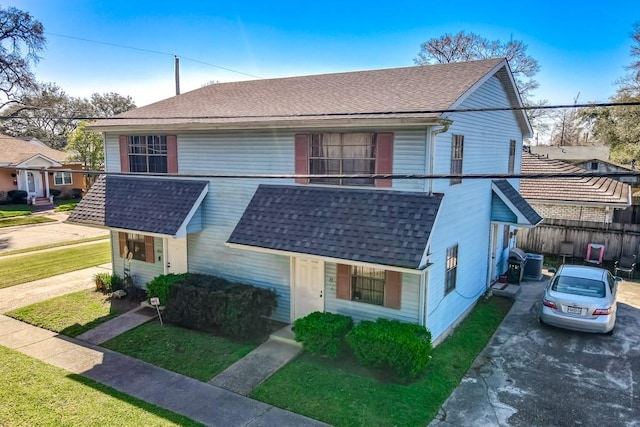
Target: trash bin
x=517 y=262
x=533 y=268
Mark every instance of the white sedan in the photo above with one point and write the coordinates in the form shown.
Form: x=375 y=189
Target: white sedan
x=581 y=298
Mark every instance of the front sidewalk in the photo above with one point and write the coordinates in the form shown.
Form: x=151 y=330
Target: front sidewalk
x=199 y=401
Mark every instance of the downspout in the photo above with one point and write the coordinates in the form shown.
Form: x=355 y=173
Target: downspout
x=431 y=151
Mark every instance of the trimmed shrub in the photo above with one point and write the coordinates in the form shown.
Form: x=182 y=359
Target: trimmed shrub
x=160 y=285
x=214 y=304
x=107 y=283
x=323 y=333
x=403 y=347
x=18 y=196
x=76 y=193
x=55 y=192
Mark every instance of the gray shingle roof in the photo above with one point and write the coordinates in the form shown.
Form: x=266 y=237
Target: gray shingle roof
x=372 y=226
x=387 y=93
x=151 y=205
x=589 y=190
x=518 y=201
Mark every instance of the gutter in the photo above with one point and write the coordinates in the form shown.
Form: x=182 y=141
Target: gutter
x=431 y=151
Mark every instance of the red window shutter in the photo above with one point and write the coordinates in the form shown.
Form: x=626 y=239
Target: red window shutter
x=384 y=157
x=393 y=289
x=149 y=253
x=122 y=241
x=124 y=153
x=302 y=157
x=172 y=154
x=343 y=282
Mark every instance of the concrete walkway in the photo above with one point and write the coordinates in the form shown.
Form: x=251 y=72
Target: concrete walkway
x=253 y=369
x=40 y=290
x=199 y=401
x=121 y=324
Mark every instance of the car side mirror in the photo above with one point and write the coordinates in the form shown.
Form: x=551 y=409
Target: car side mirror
x=617 y=278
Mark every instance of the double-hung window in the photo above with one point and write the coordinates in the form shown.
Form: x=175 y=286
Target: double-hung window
x=512 y=156
x=367 y=285
x=147 y=153
x=62 y=178
x=457 y=149
x=451 y=271
x=342 y=154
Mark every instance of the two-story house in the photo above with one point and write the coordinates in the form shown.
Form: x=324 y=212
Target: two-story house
x=331 y=233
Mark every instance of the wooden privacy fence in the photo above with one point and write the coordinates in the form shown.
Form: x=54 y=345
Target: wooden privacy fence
x=619 y=239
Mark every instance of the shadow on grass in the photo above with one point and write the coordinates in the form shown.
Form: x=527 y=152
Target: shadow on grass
x=117 y=307
x=138 y=403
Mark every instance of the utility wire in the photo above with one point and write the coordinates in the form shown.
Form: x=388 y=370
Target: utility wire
x=352 y=176
x=152 y=51
x=371 y=113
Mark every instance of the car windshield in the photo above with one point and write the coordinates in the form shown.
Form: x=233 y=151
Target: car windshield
x=579 y=286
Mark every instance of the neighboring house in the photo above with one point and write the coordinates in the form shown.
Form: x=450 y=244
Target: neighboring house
x=606 y=167
x=49 y=169
x=581 y=199
x=416 y=250
x=571 y=153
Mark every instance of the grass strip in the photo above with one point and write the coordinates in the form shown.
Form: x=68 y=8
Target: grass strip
x=30 y=267
x=24 y=220
x=192 y=353
x=53 y=245
x=8 y=211
x=343 y=393
x=36 y=394
x=70 y=314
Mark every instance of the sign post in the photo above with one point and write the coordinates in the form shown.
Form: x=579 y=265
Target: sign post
x=156 y=303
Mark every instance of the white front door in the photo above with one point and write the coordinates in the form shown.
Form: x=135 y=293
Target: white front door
x=34 y=184
x=176 y=256
x=494 y=253
x=308 y=286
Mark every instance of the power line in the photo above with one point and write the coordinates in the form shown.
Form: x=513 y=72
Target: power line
x=152 y=51
x=545 y=175
x=370 y=113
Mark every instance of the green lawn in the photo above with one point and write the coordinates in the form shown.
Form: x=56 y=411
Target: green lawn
x=53 y=245
x=344 y=394
x=66 y=205
x=36 y=394
x=24 y=220
x=71 y=314
x=8 y=211
x=195 y=354
x=26 y=268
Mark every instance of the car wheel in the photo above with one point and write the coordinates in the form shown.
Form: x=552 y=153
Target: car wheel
x=610 y=332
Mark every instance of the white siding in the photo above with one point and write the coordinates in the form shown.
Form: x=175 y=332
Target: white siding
x=410 y=300
x=142 y=272
x=464 y=216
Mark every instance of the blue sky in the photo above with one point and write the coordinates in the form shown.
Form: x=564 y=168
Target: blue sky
x=580 y=47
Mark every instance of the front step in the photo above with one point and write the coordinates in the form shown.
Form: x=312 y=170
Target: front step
x=42 y=201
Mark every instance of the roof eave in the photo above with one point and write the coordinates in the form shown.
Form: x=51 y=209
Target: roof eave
x=169 y=125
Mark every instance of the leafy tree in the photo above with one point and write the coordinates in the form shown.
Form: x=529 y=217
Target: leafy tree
x=86 y=147
x=52 y=114
x=619 y=127
x=464 y=46
x=21 y=38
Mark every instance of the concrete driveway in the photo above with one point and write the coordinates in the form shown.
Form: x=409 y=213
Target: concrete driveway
x=27 y=236
x=536 y=375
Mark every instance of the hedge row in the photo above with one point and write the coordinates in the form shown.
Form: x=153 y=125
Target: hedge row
x=209 y=303
x=405 y=348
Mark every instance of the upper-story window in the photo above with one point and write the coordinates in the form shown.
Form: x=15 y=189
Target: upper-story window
x=148 y=153
x=342 y=154
x=457 y=149
x=354 y=153
x=512 y=156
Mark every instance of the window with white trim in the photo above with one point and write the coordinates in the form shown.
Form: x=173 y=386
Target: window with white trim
x=148 y=153
x=136 y=246
x=367 y=285
x=62 y=178
x=451 y=270
x=457 y=149
x=512 y=156
x=342 y=154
